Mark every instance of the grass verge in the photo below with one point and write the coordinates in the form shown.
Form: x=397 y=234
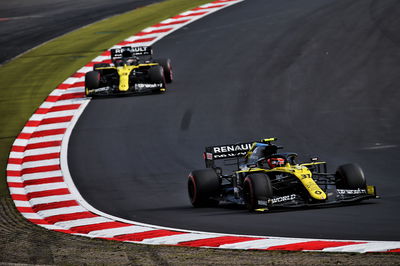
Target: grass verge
x=27 y=80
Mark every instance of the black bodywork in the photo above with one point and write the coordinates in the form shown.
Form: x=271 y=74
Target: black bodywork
x=145 y=74
x=252 y=183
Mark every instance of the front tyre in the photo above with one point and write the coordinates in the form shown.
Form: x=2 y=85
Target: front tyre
x=202 y=186
x=92 y=81
x=350 y=176
x=256 y=187
x=156 y=75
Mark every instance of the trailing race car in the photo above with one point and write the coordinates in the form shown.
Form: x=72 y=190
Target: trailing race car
x=133 y=71
x=265 y=179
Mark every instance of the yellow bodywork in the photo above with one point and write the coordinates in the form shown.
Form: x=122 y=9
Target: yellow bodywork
x=371 y=190
x=305 y=177
x=299 y=171
x=124 y=72
x=255 y=143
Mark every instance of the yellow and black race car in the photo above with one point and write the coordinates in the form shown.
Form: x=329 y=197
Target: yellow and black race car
x=264 y=179
x=133 y=70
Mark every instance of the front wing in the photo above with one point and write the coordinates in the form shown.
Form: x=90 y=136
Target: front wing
x=334 y=197
x=138 y=88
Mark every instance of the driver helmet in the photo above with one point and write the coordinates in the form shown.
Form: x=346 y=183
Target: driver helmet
x=132 y=61
x=126 y=54
x=275 y=162
x=118 y=62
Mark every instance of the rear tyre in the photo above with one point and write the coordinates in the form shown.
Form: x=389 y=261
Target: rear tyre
x=350 y=176
x=202 y=186
x=92 y=81
x=256 y=187
x=156 y=75
x=167 y=68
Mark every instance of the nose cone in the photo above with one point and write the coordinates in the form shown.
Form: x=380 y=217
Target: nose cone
x=124 y=78
x=305 y=177
x=318 y=194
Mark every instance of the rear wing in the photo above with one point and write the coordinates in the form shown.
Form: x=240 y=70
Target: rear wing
x=230 y=151
x=129 y=51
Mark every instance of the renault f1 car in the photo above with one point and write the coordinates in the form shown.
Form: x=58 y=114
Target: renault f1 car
x=264 y=179
x=133 y=70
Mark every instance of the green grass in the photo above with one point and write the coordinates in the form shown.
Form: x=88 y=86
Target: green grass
x=27 y=80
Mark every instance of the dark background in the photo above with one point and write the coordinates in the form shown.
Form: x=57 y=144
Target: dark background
x=25 y=24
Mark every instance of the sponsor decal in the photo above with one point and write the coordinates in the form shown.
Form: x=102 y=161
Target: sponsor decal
x=99 y=90
x=139 y=49
x=228 y=155
x=231 y=148
x=148 y=85
x=283 y=198
x=351 y=191
x=135 y=50
x=262 y=202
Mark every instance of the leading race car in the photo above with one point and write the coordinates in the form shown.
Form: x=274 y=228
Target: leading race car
x=265 y=179
x=133 y=70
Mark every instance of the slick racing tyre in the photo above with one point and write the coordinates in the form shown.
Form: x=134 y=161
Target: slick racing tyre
x=202 y=185
x=256 y=187
x=96 y=66
x=156 y=75
x=92 y=81
x=167 y=67
x=350 y=176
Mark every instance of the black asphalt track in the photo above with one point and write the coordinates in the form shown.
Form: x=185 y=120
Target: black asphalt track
x=28 y=23
x=321 y=75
